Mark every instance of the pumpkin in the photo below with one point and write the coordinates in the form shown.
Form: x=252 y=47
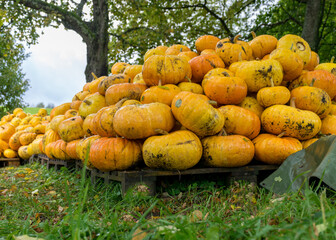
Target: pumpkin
x=291 y=63
x=15 y=121
x=103 y=120
x=109 y=154
x=119 y=67
x=161 y=50
x=139 y=79
x=70 y=113
x=314 y=61
x=329 y=125
x=75 y=104
x=70 y=149
x=83 y=149
x=204 y=120
x=119 y=91
x=163 y=94
x=88 y=125
x=6 y=131
x=272 y=149
x=332 y=109
x=110 y=80
x=330 y=66
x=190 y=87
x=168 y=69
x=34 y=147
x=262 y=45
x=49 y=137
x=9 y=153
x=218 y=72
x=296 y=44
x=270 y=96
x=313 y=99
x=14 y=141
x=132 y=70
x=56 y=121
x=227 y=151
x=231 y=50
x=202 y=64
x=27 y=138
x=3 y=146
x=80 y=95
x=188 y=55
x=178 y=150
x=42 y=112
x=59 y=110
x=23 y=153
x=131 y=102
x=91 y=104
x=17 y=110
x=225 y=90
x=208 y=51
x=252 y=104
x=59 y=150
x=317 y=78
x=240 y=121
x=176 y=49
x=258 y=74
x=206 y=42
x=71 y=129
x=145 y=120
x=294 y=122
x=40 y=128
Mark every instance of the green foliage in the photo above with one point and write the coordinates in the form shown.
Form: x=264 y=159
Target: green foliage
x=12 y=81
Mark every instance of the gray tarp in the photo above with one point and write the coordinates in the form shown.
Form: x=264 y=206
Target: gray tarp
x=318 y=161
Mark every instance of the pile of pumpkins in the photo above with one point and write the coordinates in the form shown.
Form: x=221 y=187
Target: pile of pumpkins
x=21 y=133
x=226 y=103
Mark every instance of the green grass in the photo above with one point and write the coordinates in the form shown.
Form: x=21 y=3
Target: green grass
x=53 y=204
x=34 y=110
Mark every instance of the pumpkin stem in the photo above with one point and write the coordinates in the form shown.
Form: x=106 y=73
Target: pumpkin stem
x=240 y=57
x=332 y=59
x=281 y=134
x=189 y=80
x=292 y=102
x=213 y=103
x=160 y=82
x=94 y=75
x=312 y=82
x=254 y=35
x=87 y=102
x=236 y=38
x=222 y=132
x=161 y=131
x=272 y=82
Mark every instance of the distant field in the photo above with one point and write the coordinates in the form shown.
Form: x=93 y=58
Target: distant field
x=33 y=110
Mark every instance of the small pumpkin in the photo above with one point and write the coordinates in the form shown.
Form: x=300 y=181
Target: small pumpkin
x=200 y=65
x=59 y=150
x=59 y=110
x=178 y=150
x=9 y=153
x=270 y=96
x=225 y=90
x=329 y=125
x=54 y=123
x=272 y=149
x=176 y=49
x=232 y=50
x=110 y=154
x=188 y=55
x=119 y=67
x=314 y=61
x=240 y=121
x=83 y=149
x=204 y=120
x=160 y=50
x=14 y=141
x=91 y=104
x=132 y=70
x=71 y=129
x=26 y=138
x=146 y=118
x=296 y=44
x=23 y=153
x=330 y=66
x=262 y=45
x=163 y=94
x=49 y=137
x=206 y=42
x=252 y=104
x=113 y=79
x=119 y=91
x=191 y=87
x=6 y=131
x=168 y=69
x=227 y=151
x=88 y=125
x=308 y=142
x=71 y=149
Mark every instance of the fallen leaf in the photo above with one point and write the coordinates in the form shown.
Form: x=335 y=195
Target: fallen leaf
x=60 y=209
x=196 y=215
x=139 y=234
x=26 y=237
x=35 y=192
x=52 y=193
x=278 y=179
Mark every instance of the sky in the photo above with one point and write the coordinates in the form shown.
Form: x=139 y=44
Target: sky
x=55 y=67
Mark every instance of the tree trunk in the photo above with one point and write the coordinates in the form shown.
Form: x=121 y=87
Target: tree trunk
x=312 y=22
x=97 y=48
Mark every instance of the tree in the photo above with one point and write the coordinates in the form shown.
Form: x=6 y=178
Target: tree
x=40 y=105
x=12 y=81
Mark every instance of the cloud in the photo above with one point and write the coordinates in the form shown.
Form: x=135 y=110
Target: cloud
x=55 y=67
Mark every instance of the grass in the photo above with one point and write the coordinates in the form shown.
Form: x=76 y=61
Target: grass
x=34 y=110
x=53 y=204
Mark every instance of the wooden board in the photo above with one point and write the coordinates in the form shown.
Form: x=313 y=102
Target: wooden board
x=9 y=162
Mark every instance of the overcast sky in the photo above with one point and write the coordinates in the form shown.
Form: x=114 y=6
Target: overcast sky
x=55 y=67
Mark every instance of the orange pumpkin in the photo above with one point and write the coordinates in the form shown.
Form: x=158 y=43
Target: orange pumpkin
x=262 y=45
x=314 y=61
x=110 y=80
x=132 y=70
x=160 y=50
x=71 y=129
x=206 y=42
x=119 y=67
x=119 y=91
x=176 y=49
x=83 y=149
x=163 y=94
x=329 y=125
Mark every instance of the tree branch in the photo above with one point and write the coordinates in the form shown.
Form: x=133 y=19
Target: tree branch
x=270 y=25
x=326 y=19
x=68 y=19
x=206 y=8
x=80 y=7
x=291 y=17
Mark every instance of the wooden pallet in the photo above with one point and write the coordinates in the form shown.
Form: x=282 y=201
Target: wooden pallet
x=56 y=163
x=10 y=162
x=148 y=177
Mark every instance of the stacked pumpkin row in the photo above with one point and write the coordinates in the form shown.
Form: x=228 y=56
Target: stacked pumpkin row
x=21 y=132
x=223 y=106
